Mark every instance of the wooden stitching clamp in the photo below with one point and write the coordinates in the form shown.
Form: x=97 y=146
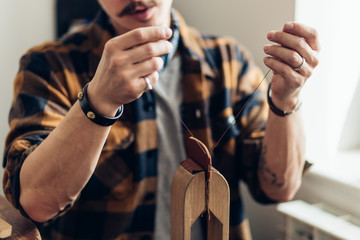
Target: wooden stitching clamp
x=198 y=188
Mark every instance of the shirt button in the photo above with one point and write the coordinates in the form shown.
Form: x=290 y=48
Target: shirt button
x=198 y=113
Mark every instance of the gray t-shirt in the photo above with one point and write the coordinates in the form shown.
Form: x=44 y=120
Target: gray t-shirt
x=171 y=150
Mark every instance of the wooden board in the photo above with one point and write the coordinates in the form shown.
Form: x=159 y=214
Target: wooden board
x=22 y=228
x=5 y=229
x=188 y=203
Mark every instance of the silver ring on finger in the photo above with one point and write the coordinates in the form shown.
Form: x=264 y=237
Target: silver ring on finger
x=301 y=65
x=148 y=87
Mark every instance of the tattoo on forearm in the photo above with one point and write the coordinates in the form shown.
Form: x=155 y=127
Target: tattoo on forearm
x=267 y=174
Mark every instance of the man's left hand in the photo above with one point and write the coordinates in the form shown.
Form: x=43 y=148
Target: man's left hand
x=292 y=59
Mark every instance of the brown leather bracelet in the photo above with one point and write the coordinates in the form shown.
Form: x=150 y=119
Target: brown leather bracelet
x=94 y=116
x=277 y=110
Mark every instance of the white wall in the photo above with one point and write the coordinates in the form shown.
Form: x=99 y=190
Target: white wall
x=248 y=21
x=331 y=106
x=330 y=101
x=23 y=24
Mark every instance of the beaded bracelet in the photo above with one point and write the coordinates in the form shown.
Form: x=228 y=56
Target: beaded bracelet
x=94 y=116
x=277 y=110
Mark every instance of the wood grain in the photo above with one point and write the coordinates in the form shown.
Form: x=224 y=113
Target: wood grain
x=188 y=203
x=22 y=228
x=5 y=229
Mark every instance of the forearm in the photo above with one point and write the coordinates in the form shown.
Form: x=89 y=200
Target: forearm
x=292 y=57
x=282 y=159
x=54 y=174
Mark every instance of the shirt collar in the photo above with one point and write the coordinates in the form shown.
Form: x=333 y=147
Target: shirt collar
x=193 y=45
x=174 y=40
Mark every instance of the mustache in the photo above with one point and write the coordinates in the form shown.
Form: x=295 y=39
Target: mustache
x=130 y=8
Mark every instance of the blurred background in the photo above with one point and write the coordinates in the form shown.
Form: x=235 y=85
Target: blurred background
x=330 y=98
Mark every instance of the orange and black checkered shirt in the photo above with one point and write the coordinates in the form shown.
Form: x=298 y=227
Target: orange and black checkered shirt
x=119 y=200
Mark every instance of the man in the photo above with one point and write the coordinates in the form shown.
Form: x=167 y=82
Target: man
x=94 y=161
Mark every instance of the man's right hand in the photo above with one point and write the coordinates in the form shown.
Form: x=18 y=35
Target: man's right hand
x=126 y=60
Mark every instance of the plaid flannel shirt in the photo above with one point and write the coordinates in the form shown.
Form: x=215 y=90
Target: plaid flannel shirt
x=119 y=200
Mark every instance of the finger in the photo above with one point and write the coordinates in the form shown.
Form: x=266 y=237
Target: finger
x=137 y=86
x=292 y=42
x=286 y=55
x=308 y=33
x=296 y=43
x=144 y=35
x=284 y=70
x=146 y=67
x=149 y=50
x=153 y=78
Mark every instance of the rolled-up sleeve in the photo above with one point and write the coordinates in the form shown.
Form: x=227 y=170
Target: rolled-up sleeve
x=40 y=102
